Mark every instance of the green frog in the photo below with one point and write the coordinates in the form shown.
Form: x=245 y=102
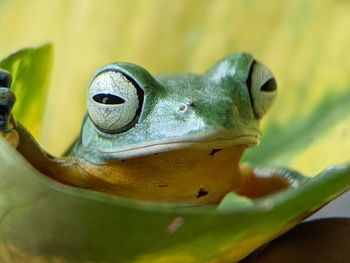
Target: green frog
x=171 y=138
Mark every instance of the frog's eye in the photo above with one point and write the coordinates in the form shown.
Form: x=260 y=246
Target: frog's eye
x=114 y=101
x=262 y=88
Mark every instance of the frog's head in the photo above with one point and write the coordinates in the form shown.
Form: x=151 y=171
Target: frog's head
x=132 y=114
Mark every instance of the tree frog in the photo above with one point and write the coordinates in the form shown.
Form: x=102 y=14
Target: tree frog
x=171 y=138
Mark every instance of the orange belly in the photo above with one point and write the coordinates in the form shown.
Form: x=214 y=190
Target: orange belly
x=189 y=176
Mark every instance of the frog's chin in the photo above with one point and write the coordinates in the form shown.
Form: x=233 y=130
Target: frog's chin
x=166 y=146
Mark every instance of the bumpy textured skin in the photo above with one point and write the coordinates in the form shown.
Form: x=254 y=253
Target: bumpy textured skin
x=217 y=107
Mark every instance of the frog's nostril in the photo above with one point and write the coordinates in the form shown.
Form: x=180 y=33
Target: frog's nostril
x=269 y=86
x=108 y=99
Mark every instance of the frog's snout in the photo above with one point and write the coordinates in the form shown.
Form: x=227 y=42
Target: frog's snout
x=262 y=87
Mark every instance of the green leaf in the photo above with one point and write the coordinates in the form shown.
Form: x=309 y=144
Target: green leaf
x=30 y=70
x=43 y=220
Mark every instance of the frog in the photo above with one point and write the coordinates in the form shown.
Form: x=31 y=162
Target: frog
x=174 y=138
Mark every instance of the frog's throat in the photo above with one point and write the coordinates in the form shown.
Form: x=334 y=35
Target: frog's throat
x=148 y=149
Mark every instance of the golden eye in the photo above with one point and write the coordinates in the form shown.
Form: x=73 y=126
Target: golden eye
x=113 y=101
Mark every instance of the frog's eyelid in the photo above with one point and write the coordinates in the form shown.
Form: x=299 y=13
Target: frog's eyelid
x=249 y=86
x=129 y=78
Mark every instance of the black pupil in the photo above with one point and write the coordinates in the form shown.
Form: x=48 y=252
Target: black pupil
x=269 y=85
x=108 y=99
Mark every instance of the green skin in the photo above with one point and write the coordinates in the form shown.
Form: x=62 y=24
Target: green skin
x=220 y=109
x=218 y=106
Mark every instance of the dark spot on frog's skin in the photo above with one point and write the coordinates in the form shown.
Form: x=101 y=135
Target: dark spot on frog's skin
x=214 y=151
x=163 y=185
x=192 y=104
x=202 y=192
x=123 y=160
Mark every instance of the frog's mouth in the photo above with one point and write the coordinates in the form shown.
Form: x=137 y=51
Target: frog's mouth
x=210 y=144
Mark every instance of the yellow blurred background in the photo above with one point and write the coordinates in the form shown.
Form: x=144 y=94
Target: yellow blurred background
x=305 y=43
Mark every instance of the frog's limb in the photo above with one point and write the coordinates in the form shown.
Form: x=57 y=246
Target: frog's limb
x=11 y=136
x=258 y=182
x=7 y=100
x=64 y=170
